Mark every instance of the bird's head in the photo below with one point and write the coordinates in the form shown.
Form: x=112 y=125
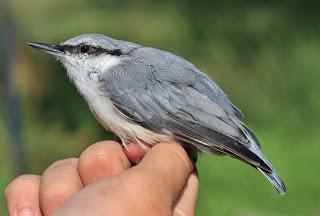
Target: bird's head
x=86 y=56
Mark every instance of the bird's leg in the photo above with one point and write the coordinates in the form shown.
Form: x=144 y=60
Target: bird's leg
x=117 y=139
x=135 y=150
x=192 y=152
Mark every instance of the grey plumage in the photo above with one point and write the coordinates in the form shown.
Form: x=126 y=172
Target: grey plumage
x=168 y=95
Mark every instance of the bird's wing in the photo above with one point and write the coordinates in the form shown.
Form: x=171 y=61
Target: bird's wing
x=165 y=96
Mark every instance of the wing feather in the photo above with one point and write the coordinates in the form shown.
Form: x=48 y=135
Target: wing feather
x=185 y=103
x=166 y=94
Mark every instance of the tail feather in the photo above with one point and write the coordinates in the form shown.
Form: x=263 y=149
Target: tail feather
x=208 y=140
x=275 y=180
x=270 y=174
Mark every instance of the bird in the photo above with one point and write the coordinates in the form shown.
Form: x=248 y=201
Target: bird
x=147 y=95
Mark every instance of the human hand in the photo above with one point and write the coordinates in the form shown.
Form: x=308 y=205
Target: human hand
x=102 y=182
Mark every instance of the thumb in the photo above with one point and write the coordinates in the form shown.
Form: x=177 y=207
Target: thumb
x=168 y=166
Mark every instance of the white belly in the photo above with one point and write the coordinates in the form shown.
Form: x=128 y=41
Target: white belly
x=104 y=110
x=115 y=121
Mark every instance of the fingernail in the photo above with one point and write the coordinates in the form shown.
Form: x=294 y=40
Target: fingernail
x=26 y=212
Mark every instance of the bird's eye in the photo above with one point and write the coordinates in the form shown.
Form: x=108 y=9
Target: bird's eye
x=84 y=49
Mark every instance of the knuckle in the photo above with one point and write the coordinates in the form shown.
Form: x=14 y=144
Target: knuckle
x=101 y=151
x=108 y=142
x=69 y=162
x=104 y=145
x=61 y=168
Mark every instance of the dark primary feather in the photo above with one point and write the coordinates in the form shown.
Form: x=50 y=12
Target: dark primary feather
x=167 y=94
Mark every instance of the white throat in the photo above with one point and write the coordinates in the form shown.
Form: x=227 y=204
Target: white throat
x=84 y=74
x=84 y=71
x=85 y=77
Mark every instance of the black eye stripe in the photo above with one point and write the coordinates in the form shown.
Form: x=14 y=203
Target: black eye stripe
x=90 y=50
x=116 y=52
x=84 y=49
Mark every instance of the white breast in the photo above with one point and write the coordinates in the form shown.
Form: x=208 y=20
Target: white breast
x=112 y=119
x=102 y=107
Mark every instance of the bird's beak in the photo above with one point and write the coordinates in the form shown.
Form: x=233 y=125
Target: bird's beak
x=53 y=49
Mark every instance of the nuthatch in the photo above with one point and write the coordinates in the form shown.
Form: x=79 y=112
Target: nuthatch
x=147 y=95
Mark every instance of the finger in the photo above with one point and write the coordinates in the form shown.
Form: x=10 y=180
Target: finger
x=187 y=200
x=59 y=182
x=170 y=166
x=102 y=160
x=136 y=151
x=163 y=171
x=22 y=196
x=151 y=186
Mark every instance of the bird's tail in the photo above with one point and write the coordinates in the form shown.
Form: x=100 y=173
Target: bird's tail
x=270 y=173
x=275 y=180
x=273 y=177
x=265 y=167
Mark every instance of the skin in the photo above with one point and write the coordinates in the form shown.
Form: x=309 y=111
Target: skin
x=102 y=181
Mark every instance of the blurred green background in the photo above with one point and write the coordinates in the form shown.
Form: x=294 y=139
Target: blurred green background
x=264 y=54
